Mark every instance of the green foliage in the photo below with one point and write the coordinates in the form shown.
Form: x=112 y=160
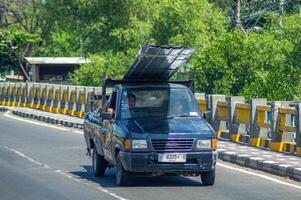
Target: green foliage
x=109 y=32
x=254 y=65
x=108 y=65
x=188 y=22
x=13 y=43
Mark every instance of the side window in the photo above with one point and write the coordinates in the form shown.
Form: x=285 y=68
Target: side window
x=111 y=106
x=113 y=100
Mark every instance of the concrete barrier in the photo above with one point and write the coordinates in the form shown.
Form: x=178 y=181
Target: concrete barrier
x=231 y=118
x=255 y=123
x=64 y=99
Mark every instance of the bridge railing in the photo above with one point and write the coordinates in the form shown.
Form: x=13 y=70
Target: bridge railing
x=64 y=99
x=275 y=125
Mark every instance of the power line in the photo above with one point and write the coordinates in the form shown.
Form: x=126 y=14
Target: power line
x=249 y=13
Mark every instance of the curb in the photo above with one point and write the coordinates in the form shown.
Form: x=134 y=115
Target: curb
x=45 y=119
x=258 y=163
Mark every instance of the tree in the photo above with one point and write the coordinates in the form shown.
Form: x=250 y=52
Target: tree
x=13 y=45
x=188 y=22
x=253 y=65
x=108 y=65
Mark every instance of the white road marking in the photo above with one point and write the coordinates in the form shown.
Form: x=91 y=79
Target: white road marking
x=46 y=125
x=37 y=123
x=65 y=174
x=26 y=157
x=260 y=175
x=80 y=132
x=98 y=187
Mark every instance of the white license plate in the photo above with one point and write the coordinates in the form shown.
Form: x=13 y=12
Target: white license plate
x=172 y=157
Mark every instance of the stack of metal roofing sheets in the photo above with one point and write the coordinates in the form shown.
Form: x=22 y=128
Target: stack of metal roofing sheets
x=157 y=63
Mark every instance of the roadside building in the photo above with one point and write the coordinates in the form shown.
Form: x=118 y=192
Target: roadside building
x=53 y=69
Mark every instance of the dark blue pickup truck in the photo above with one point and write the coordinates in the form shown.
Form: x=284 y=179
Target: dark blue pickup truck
x=151 y=125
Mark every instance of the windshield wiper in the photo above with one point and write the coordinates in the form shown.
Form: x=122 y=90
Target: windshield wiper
x=133 y=118
x=184 y=115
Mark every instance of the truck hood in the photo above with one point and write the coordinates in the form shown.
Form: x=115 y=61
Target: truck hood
x=180 y=126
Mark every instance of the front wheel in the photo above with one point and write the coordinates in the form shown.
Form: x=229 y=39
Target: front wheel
x=99 y=164
x=121 y=174
x=208 y=178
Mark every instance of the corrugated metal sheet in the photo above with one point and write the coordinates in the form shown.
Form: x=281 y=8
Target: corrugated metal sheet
x=158 y=62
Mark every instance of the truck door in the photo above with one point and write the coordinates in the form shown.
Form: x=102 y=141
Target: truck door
x=108 y=126
x=98 y=135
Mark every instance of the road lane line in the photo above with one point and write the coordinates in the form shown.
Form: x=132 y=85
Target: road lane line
x=43 y=124
x=37 y=123
x=80 y=132
x=98 y=187
x=65 y=175
x=259 y=175
x=26 y=157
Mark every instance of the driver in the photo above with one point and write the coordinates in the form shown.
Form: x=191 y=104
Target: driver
x=178 y=107
x=131 y=101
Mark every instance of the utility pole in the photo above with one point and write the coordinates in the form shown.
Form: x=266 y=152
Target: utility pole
x=237 y=17
x=300 y=8
x=281 y=9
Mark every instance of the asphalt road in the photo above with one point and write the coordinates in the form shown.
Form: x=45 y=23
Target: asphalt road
x=43 y=162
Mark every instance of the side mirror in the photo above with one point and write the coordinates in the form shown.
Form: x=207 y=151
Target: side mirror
x=206 y=115
x=107 y=115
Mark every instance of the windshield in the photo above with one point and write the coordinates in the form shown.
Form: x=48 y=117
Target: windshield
x=158 y=102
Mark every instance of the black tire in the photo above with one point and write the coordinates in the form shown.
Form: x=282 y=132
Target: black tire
x=208 y=178
x=121 y=175
x=99 y=164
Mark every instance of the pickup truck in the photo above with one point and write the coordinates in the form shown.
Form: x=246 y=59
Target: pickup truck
x=151 y=125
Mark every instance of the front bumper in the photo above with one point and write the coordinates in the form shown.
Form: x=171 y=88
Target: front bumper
x=196 y=162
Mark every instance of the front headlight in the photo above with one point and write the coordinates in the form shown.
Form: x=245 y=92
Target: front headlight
x=203 y=144
x=139 y=144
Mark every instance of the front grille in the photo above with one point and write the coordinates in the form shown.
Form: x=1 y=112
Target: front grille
x=172 y=144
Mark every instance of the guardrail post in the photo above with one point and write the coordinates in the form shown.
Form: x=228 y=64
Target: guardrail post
x=45 y=96
x=1 y=94
x=5 y=94
x=235 y=128
x=65 y=100
x=276 y=140
x=58 y=98
x=78 y=101
x=8 y=94
x=217 y=124
x=72 y=101
x=208 y=100
x=87 y=106
x=208 y=108
x=90 y=92
x=19 y=94
x=201 y=98
x=298 y=128
x=31 y=95
x=256 y=132
x=24 y=95
x=37 y=96
x=50 y=98
x=13 y=95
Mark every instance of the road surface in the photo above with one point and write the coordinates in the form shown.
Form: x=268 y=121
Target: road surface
x=48 y=162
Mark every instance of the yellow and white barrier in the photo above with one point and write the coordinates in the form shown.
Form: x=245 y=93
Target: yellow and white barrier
x=64 y=99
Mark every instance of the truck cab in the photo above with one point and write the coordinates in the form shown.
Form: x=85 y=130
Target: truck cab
x=151 y=127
